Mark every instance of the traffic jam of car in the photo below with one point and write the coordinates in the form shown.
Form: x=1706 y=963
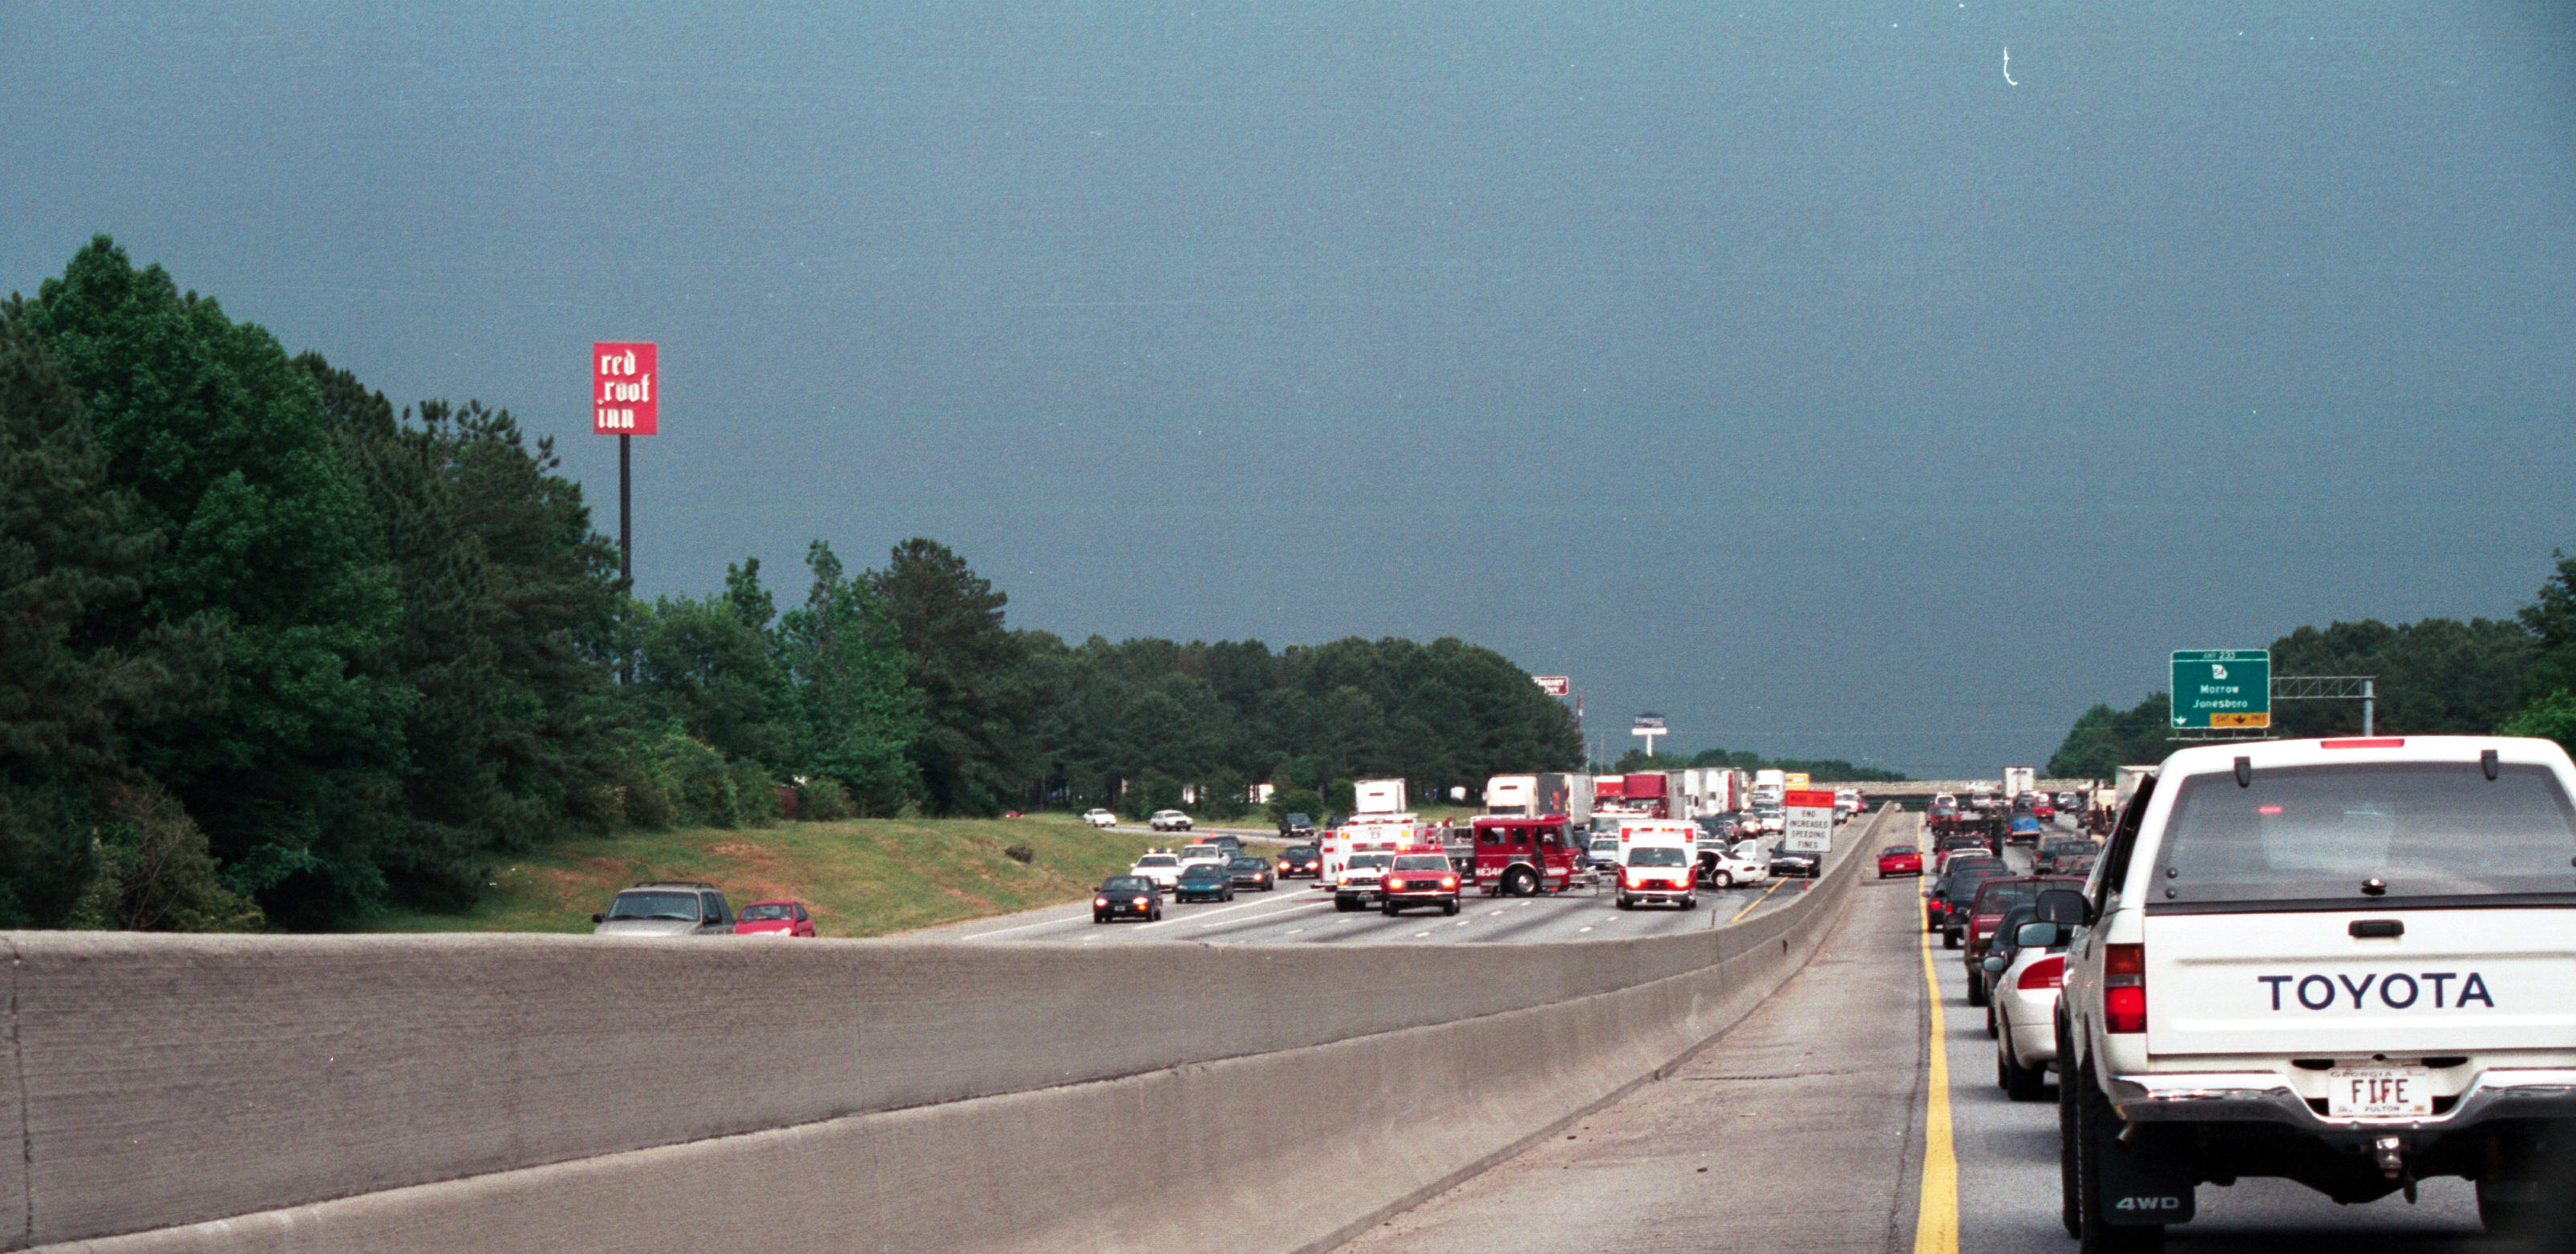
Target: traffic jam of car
x=1638 y=841
x=2342 y=963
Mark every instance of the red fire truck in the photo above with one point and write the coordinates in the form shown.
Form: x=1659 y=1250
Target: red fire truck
x=1525 y=855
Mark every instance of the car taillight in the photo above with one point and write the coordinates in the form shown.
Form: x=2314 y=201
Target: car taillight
x=2124 y=989
x=2044 y=974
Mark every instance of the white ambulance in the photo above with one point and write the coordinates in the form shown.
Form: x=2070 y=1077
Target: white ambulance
x=1365 y=833
x=1658 y=863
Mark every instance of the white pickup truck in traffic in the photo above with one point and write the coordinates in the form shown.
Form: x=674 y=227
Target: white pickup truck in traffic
x=2347 y=962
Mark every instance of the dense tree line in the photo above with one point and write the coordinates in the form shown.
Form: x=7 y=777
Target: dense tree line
x=279 y=652
x=1141 y=724
x=2437 y=676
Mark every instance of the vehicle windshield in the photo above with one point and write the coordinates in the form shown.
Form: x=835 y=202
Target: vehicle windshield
x=1997 y=898
x=1248 y=864
x=1203 y=871
x=1125 y=884
x=1420 y=862
x=762 y=911
x=1605 y=846
x=2424 y=828
x=673 y=905
x=1658 y=855
x=1203 y=851
x=1369 y=859
x=1301 y=851
x=1158 y=859
x=1898 y=849
x=1298 y=820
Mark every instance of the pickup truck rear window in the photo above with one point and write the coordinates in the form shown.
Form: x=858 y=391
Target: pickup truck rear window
x=2432 y=829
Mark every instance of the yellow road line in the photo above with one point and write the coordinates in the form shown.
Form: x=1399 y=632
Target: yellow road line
x=1776 y=885
x=1936 y=1214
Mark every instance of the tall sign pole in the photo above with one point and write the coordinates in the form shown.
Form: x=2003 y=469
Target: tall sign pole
x=624 y=403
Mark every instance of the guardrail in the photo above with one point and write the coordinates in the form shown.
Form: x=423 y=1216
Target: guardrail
x=339 y=1094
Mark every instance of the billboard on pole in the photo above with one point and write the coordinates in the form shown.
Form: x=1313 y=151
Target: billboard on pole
x=1554 y=685
x=622 y=387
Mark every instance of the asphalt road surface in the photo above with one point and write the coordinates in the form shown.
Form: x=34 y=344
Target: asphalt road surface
x=1298 y=913
x=1804 y=1127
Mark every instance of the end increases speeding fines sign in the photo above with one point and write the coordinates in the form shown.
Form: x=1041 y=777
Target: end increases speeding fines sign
x=1807 y=816
x=622 y=388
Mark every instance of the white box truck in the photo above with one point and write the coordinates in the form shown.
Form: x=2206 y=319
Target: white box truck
x=1529 y=796
x=2019 y=780
x=1378 y=796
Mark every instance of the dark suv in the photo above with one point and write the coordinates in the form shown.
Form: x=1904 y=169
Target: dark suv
x=1296 y=827
x=1300 y=860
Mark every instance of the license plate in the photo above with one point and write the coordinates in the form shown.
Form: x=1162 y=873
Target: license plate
x=2379 y=1092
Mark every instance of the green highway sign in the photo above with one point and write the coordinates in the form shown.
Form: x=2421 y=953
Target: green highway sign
x=2222 y=688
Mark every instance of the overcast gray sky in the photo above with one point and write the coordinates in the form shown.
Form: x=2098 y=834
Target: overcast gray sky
x=1782 y=367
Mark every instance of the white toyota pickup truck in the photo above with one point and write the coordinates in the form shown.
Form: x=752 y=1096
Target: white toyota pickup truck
x=2347 y=962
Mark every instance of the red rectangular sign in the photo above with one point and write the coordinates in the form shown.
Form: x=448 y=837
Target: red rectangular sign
x=1554 y=685
x=1812 y=798
x=623 y=392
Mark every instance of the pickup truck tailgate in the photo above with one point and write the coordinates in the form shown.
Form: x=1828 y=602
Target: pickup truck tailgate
x=2333 y=984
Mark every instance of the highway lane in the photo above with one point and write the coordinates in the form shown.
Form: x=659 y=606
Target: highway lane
x=1299 y=913
x=2008 y=1188
x=1828 y=1082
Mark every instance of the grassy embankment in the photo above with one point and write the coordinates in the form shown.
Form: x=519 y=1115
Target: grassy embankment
x=861 y=877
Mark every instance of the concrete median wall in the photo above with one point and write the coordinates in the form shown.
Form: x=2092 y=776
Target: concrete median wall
x=546 y=1093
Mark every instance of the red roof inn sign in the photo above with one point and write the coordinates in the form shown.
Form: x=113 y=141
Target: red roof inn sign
x=622 y=389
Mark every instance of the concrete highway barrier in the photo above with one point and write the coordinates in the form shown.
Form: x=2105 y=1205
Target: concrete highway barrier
x=338 y=1094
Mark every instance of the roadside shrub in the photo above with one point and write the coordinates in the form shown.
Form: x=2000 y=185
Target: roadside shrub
x=1021 y=854
x=701 y=782
x=155 y=873
x=823 y=801
x=647 y=801
x=599 y=806
x=755 y=795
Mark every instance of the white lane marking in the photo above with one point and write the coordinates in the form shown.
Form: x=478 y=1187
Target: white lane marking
x=999 y=930
x=1462 y=923
x=1303 y=905
x=1294 y=930
x=1586 y=929
x=1427 y=933
x=1201 y=914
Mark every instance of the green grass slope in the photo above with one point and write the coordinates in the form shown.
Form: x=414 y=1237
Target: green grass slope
x=861 y=877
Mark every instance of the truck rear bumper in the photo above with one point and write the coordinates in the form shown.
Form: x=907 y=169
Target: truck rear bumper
x=2262 y=1097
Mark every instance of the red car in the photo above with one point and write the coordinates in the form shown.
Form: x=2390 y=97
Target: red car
x=1899 y=860
x=774 y=918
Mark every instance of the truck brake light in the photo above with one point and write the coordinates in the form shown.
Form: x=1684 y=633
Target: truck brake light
x=2046 y=973
x=2358 y=742
x=2124 y=989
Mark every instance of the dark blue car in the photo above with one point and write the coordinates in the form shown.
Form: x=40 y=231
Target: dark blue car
x=1204 y=881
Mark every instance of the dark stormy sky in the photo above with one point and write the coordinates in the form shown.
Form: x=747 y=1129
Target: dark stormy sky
x=1780 y=367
